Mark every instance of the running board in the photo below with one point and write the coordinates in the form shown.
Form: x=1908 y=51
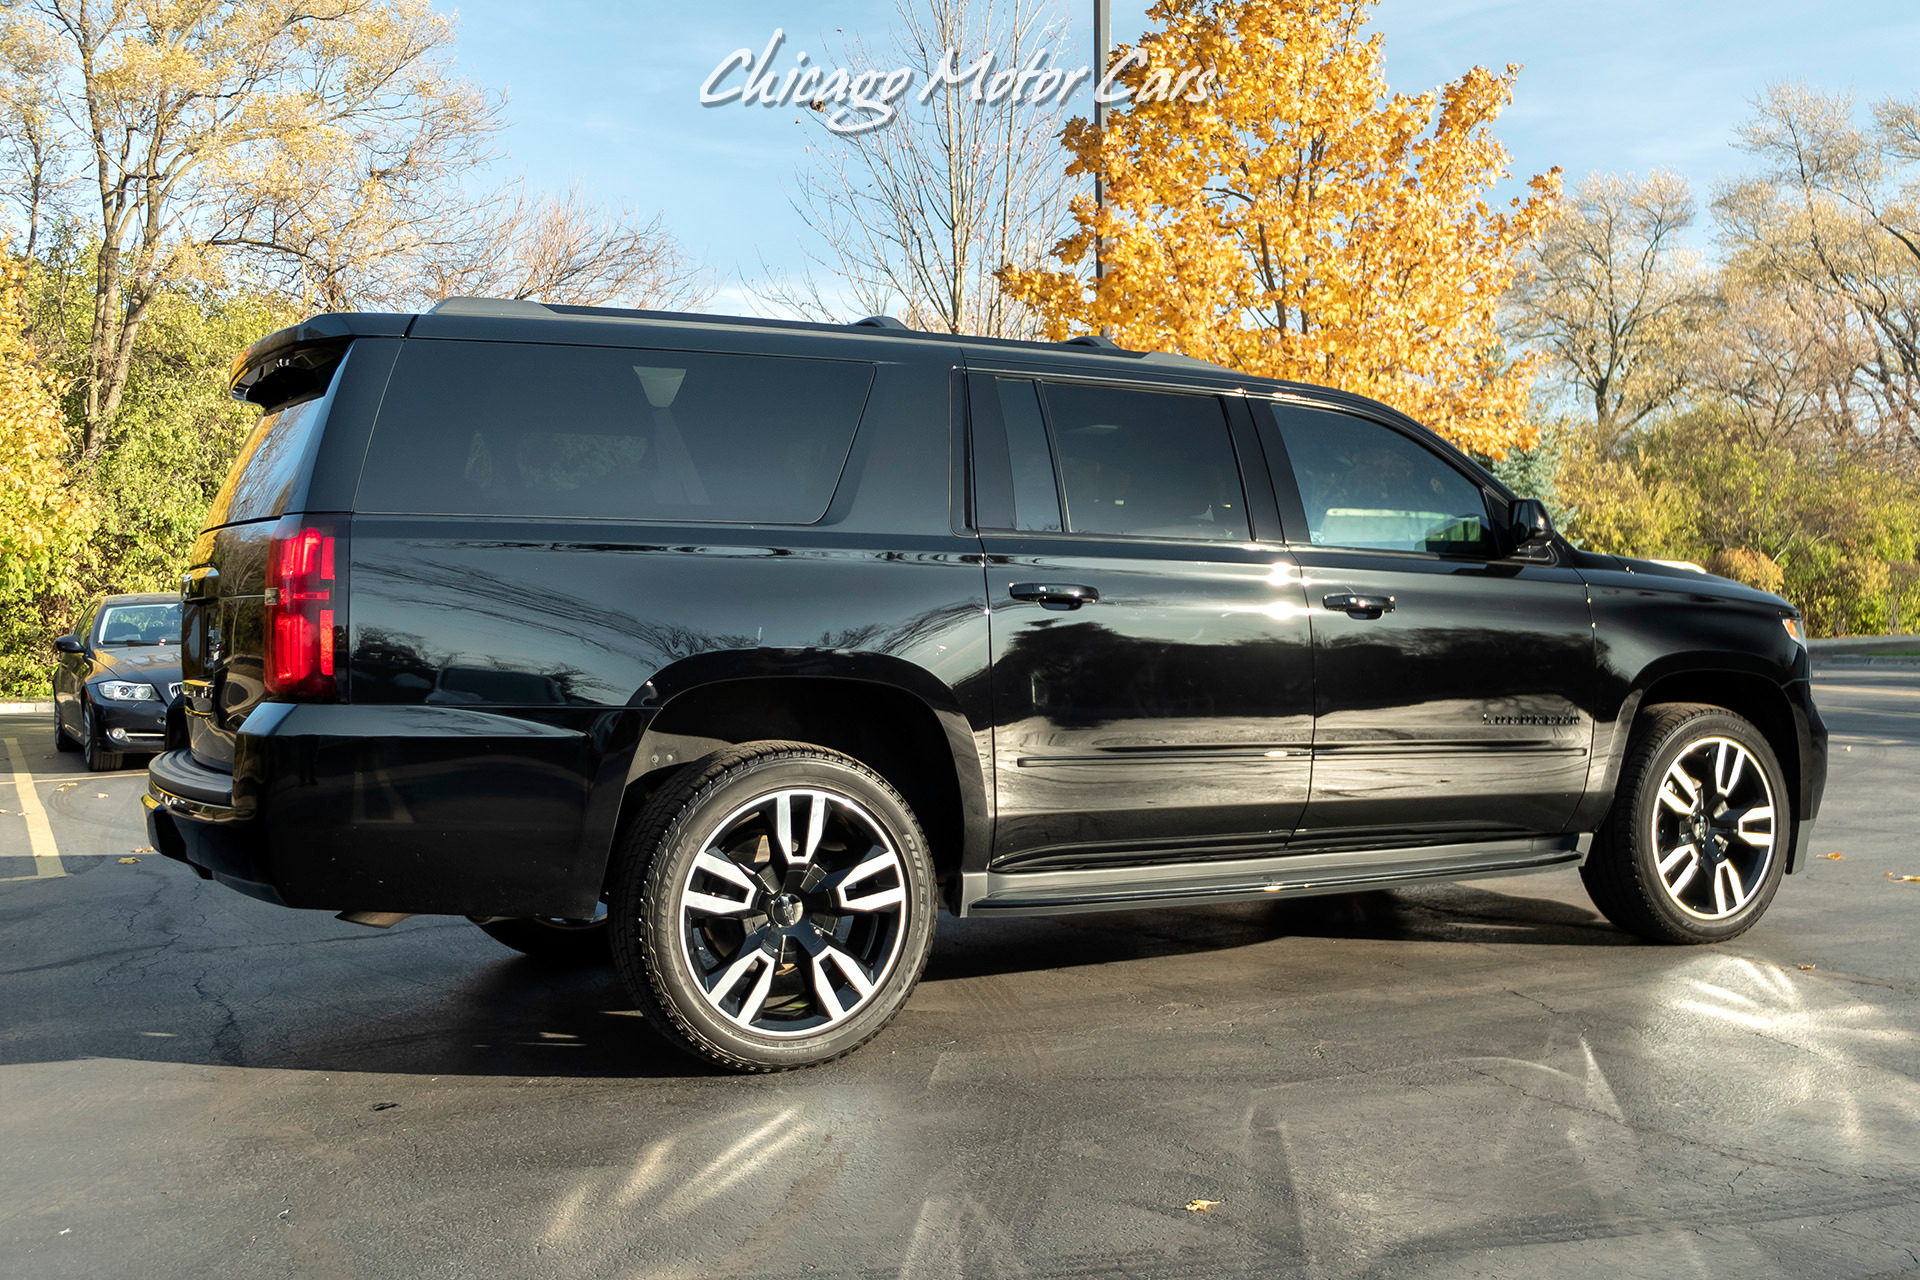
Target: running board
x=1009 y=893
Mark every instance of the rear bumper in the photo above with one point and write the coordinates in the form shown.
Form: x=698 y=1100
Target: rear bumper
x=423 y=810
x=191 y=818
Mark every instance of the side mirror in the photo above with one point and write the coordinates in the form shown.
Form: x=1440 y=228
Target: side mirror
x=1532 y=527
x=69 y=644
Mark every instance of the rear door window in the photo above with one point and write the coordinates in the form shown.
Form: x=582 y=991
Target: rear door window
x=1146 y=464
x=611 y=433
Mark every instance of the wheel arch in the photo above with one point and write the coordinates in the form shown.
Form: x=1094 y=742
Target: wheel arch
x=891 y=715
x=1757 y=697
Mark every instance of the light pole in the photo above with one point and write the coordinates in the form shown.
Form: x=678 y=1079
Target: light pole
x=1102 y=42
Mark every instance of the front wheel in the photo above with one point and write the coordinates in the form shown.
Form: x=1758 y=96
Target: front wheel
x=773 y=906
x=98 y=758
x=1696 y=842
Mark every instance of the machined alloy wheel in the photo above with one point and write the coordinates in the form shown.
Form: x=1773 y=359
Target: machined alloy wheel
x=1696 y=843
x=1713 y=830
x=774 y=906
x=793 y=913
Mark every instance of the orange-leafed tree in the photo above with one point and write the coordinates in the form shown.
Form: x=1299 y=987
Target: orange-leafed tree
x=1291 y=217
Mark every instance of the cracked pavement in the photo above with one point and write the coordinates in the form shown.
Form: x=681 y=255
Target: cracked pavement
x=1480 y=1079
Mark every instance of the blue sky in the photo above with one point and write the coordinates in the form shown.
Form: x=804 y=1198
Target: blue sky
x=606 y=95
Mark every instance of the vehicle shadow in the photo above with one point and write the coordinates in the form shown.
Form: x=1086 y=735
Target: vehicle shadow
x=428 y=1002
x=1428 y=913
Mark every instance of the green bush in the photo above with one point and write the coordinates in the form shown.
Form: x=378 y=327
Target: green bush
x=1837 y=534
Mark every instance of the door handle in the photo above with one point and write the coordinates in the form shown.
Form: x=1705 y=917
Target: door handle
x=1054 y=595
x=1359 y=606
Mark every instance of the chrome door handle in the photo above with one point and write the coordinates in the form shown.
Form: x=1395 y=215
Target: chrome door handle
x=1054 y=595
x=1359 y=606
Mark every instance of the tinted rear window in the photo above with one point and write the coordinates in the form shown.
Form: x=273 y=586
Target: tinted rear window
x=272 y=463
x=624 y=434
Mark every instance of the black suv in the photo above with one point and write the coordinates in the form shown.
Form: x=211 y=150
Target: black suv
x=737 y=646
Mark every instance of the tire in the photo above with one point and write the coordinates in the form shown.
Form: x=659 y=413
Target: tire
x=1695 y=845
x=98 y=758
x=62 y=740
x=561 y=943
x=758 y=957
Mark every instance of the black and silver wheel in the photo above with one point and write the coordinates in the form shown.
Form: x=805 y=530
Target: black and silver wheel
x=773 y=906
x=98 y=758
x=552 y=939
x=1696 y=843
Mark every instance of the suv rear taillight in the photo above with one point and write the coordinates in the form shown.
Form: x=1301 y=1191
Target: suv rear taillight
x=306 y=607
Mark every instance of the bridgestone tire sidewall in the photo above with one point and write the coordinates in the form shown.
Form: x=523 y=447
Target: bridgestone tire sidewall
x=1645 y=862
x=695 y=1023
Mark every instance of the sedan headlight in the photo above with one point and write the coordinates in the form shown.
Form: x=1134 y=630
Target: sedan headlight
x=1793 y=629
x=126 y=691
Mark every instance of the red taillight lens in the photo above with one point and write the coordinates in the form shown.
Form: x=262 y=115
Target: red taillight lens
x=302 y=603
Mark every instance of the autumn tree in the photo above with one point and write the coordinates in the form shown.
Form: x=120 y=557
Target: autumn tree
x=1293 y=218
x=327 y=145
x=918 y=215
x=1617 y=299
x=1829 y=227
x=43 y=514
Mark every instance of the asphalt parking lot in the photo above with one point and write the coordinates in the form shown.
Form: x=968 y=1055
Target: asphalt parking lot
x=1466 y=1080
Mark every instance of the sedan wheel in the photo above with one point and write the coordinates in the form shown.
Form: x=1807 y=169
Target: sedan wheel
x=774 y=907
x=98 y=758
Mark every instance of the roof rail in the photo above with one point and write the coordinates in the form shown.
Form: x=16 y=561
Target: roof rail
x=879 y=322
x=1099 y=340
x=503 y=308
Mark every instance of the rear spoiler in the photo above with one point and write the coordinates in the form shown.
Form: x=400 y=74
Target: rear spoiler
x=299 y=361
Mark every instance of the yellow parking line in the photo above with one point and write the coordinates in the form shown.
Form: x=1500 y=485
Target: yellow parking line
x=46 y=854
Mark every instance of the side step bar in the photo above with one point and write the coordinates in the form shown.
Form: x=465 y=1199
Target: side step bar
x=1009 y=893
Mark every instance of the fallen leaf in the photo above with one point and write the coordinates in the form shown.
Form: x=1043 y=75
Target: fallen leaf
x=1833 y=857
x=1908 y=879
x=1807 y=966
x=145 y=848
x=385 y=1106
x=99 y=795
x=127 y=862
x=1202 y=1206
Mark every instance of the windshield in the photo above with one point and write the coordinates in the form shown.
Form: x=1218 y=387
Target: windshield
x=123 y=624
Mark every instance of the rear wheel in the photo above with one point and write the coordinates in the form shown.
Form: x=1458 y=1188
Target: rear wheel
x=98 y=758
x=1695 y=845
x=773 y=906
x=551 y=940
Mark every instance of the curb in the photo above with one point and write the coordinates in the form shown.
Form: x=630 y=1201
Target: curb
x=1828 y=662
x=24 y=708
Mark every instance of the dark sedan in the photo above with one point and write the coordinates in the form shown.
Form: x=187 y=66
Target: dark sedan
x=117 y=676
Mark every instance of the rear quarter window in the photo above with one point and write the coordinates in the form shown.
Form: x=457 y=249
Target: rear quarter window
x=611 y=433
x=271 y=464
